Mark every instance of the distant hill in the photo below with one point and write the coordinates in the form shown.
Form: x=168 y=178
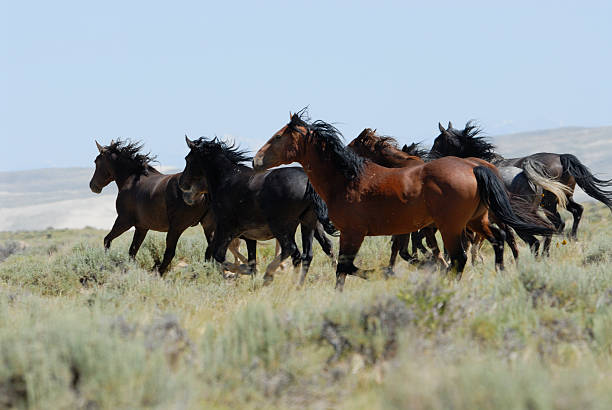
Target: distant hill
x=60 y=197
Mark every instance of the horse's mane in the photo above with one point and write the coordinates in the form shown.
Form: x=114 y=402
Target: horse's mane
x=130 y=152
x=472 y=142
x=370 y=139
x=231 y=151
x=416 y=150
x=329 y=139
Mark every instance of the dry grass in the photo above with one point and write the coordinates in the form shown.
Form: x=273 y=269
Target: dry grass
x=81 y=328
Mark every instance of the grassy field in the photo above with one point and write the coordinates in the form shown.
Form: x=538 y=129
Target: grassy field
x=82 y=328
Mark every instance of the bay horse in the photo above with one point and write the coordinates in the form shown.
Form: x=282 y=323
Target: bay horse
x=367 y=199
x=256 y=206
x=384 y=151
x=565 y=170
x=149 y=200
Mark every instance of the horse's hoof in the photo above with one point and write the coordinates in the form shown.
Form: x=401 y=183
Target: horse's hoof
x=245 y=270
x=267 y=280
x=229 y=275
x=388 y=272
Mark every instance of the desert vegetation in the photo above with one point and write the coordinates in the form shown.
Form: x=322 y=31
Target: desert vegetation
x=85 y=328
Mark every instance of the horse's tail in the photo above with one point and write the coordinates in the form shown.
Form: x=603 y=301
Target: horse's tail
x=494 y=195
x=320 y=208
x=537 y=176
x=586 y=180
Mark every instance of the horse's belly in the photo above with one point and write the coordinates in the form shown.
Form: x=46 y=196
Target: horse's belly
x=385 y=218
x=259 y=234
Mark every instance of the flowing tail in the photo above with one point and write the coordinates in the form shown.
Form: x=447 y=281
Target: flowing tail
x=320 y=208
x=586 y=180
x=538 y=176
x=494 y=195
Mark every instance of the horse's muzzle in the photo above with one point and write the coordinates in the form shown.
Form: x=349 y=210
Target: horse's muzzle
x=258 y=164
x=94 y=188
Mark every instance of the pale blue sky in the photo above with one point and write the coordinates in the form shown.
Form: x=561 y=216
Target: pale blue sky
x=75 y=71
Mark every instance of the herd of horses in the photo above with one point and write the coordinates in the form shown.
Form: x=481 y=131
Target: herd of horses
x=460 y=187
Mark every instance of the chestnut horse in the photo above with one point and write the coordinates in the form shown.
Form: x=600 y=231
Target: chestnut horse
x=149 y=200
x=366 y=199
x=384 y=151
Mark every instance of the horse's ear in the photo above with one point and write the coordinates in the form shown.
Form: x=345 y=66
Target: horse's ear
x=100 y=147
x=442 y=130
x=290 y=116
x=190 y=143
x=450 y=125
x=405 y=148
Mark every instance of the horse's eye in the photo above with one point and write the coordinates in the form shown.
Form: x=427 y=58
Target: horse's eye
x=277 y=136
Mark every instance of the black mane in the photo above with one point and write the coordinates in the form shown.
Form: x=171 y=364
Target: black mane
x=215 y=146
x=331 y=142
x=415 y=149
x=470 y=142
x=129 y=151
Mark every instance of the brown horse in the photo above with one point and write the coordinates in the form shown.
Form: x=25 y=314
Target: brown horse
x=384 y=151
x=366 y=199
x=149 y=200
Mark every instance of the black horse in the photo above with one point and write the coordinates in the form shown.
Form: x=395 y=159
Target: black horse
x=257 y=206
x=149 y=200
x=565 y=170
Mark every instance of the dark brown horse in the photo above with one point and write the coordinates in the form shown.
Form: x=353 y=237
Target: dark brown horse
x=384 y=151
x=366 y=199
x=149 y=200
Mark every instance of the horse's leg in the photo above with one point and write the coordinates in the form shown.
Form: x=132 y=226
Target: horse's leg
x=139 y=236
x=209 y=234
x=417 y=241
x=430 y=237
x=119 y=227
x=288 y=248
x=397 y=242
x=402 y=247
x=576 y=209
x=453 y=243
x=494 y=235
x=307 y=236
x=510 y=240
x=172 y=238
x=349 y=246
x=251 y=255
x=219 y=245
x=475 y=250
x=234 y=248
x=324 y=241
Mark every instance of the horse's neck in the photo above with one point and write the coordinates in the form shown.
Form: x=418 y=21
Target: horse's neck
x=125 y=176
x=400 y=160
x=324 y=175
x=220 y=171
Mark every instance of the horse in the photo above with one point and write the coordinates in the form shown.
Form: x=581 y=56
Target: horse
x=149 y=200
x=562 y=171
x=367 y=199
x=384 y=151
x=255 y=206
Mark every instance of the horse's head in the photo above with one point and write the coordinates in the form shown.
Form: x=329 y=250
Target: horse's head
x=468 y=142
x=284 y=147
x=193 y=181
x=104 y=173
x=447 y=143
x=364 y=144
